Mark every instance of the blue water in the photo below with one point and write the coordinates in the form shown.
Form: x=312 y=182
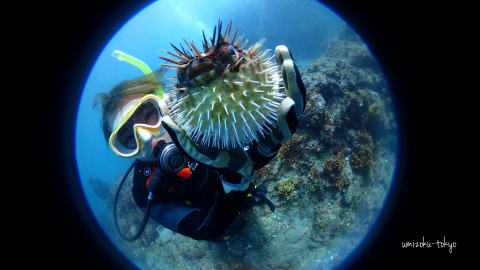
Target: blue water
x=302 y=25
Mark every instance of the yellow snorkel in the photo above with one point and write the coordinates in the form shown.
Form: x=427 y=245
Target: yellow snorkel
x=122 y=56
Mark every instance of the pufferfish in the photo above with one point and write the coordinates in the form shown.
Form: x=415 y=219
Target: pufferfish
x=225 y=96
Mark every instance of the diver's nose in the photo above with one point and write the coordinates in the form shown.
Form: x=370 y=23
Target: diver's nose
x=144 y=135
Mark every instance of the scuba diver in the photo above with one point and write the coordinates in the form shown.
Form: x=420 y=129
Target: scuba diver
x=186 y=188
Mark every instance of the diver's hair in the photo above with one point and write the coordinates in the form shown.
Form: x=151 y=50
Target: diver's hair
x=129 y=89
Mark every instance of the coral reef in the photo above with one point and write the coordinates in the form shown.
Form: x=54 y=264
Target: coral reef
x=286 y=188
x=328 y=182
x=362 y=157
x=333 y=167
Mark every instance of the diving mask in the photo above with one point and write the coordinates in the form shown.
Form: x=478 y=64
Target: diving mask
x=137 y=126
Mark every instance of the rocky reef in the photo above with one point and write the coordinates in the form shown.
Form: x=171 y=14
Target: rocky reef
x=328 y=182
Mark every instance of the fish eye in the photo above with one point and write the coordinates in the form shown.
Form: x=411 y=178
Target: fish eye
x=232 y=50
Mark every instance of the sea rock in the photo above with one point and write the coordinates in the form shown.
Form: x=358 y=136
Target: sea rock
x=150 y=234
x=296 y=231
x=165 y=236
x=191 y=249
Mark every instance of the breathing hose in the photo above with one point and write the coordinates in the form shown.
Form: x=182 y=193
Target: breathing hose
x=145 y=217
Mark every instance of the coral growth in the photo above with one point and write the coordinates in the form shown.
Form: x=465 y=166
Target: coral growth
x=264 y=173
x=286 y=188
x=362 y=157
x=348 y=107
x=289 y=151
x=315 y=177
x=332 y=169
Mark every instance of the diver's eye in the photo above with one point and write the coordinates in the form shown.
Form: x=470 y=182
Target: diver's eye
x=128 y=140
x=151 y=118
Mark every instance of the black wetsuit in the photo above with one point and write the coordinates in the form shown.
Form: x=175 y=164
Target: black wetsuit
x=197 y=206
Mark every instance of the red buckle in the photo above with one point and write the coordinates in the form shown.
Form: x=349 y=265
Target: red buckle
x=184 y=173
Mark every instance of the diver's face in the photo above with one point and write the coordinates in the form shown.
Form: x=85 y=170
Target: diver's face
x=147 y=139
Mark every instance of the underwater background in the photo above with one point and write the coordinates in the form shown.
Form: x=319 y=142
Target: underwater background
x=329 y=182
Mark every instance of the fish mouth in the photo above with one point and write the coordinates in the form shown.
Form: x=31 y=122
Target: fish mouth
x=199 y=67
x=200 y=72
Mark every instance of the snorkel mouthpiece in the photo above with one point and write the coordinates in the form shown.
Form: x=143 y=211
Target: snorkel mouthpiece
x=122 y=56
